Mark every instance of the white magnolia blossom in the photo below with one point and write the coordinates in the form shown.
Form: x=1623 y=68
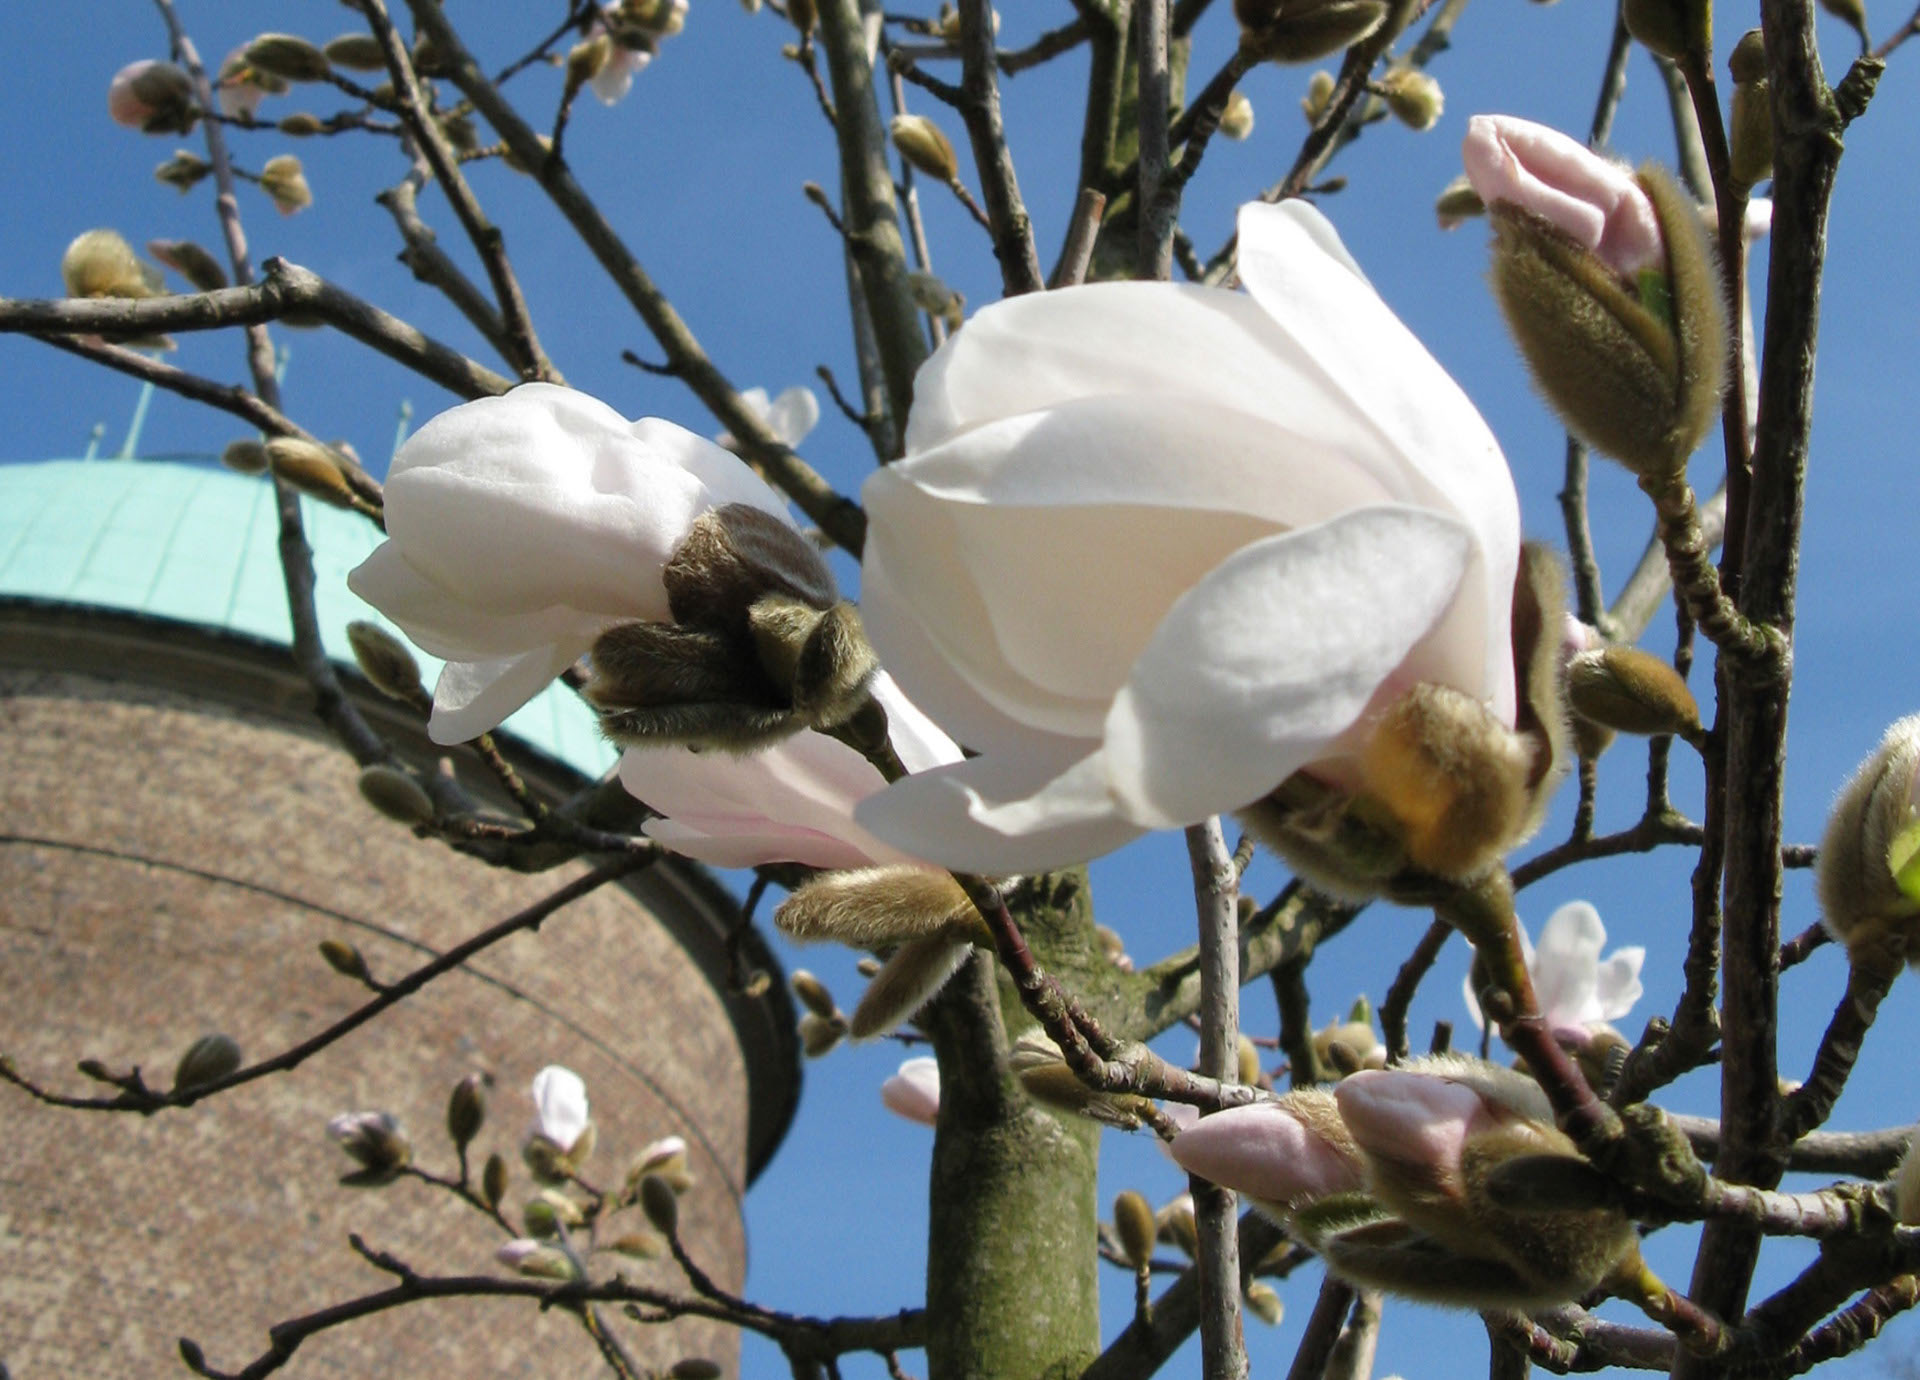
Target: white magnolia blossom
x=1575 y=986
x=519 y=528
x=914 y=1092
x=1153 y=548
x=789 y=417
x=792 y=801
x=559 y=1106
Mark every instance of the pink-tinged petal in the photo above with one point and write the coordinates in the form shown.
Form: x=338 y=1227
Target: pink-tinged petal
x=1594 y=200
x=512 y=1253
x=914 y=1092
x=1262 y=1150
x=1617 y=984
x=1410 y=1118
x=123 y=105
x=1003 y=813
x=475 y=697
x=1566 y=962
x=1265 y=662
x=559 y=1105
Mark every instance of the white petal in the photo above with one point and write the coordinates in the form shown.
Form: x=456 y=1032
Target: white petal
x=475 y=697
x=1365 y=354
x=1617 y=983
x=1566 y=964
x=793 y=414
x=1001 y=814
x=918 y=741
x=559 y=1105
x=1268 y=659
x=442 y=625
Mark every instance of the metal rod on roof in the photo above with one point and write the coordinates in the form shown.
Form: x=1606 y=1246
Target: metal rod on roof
x=132 y=442
x=93 y=439
x=400 y=431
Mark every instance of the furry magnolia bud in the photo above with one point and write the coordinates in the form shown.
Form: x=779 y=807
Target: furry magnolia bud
x=1635 y=368
x=289 y=57
x=821 y=1035
x=813 y=994
x=1236 y=121
x=467 y=1109
x=1631 y=691
x=311 y=468
x=907 y=981
x=207 y=1060
x=1414 y=98
x=1135 y=1228
x=1319 y=96
x=345 y=959
x=874 y=908
x=376 y=1142
x=285 y=182
x=923 y=145
x=493 y=1180
x=1868 y=869
x=100 y=263
x=153 y=97
x=1264 y=1303
x=1305 y=30
x=1457 y=202
x=356 y=52
x=660 y=1203
x=395 y=793
x=183 y=172
x=192 y=262
x=385 y=661
x=1672 y=29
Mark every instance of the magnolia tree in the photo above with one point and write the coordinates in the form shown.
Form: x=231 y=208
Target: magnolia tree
x=1232 y=555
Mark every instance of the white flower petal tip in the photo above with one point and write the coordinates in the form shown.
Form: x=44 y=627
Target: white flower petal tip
x=790 y=417
x=1264 y=1151
x=559 y=1106
x=914 y=1092
x=1154 y=548
x=1576 y=988
x=1595 y=201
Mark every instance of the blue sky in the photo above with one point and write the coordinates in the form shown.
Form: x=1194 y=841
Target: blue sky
x=701 y=167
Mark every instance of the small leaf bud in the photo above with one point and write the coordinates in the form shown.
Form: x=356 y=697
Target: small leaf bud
x=821 y=1035
x=344 y=959
x=1852 y=13
x=813 y=994
x=934 y=297
x=1631 y=691
x=1247 y=1063
x=395 y=794
x=536 y=1261
x=1671 y=28
x=586 y=60
x=192 y=262
x=385 y=661
x=356 y=52
x=661 y=1204
x=518 y=164
x=467 y=1109
x=1457 y=202
x=873 y=908
x=311 y=468
x=289 y=57
x=694 y=1368
x=1319 y=96
x=1176 y=1225
x=1750 y=133
x=285 y=182
x=1867 y=853
x=1414 y=97
x=245 y=457
x=375 y=1141
x=493 y=1180
x=1236 y=120
x=183 y=171
x=639 y=1245
x=193 y=1356
x=98 y=1071
x=922 y=144
x=207 y=1060
x=1264 y=1303
x=907 y=981
x=301 y=125
x=804 y=15
x=1133 y=1224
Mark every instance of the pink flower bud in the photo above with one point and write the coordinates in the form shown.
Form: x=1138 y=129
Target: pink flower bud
x=1593 y=200
x=914 y=1092
x=1412 y=1120
x=1267 y=1152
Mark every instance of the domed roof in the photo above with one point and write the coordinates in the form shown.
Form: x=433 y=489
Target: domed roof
x=196 y=543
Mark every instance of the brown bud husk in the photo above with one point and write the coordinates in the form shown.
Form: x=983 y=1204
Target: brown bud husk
x=1640 y=382
x=822 y=661
x=661 y=1204
x=207 y=1060
x=289 y=57
x=183 y=171
x=813 y=994
x=821 y=1035
x=1308 y=30
x=1413 y=97
x=922 y=144
x=1861 y=903
x=467 y=1109
x=907 y=981
x=1631 y=691
x=1327 y=838
x=1457 y=202
x=355 y=52
x=1135 y=1228
x=344 y=959
x=735 y=556
x=311 y=468
x=385 y=661
x=191 y=261
x=395 y=793
x=875 y=908
x=1540 y=712
x=493 y=1180
x=1671 y=28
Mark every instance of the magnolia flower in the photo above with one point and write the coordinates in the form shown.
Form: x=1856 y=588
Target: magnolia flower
x=559 y=1107
x=1595 y=201
x=374 y=1140
x=1154 y=548
x=522 y=527
x=791 y=801
x=914 y=1092
x=615 y=77
x=1284 y=1154
x=241 y=88
x=153 y=97
x=1574 y=985
x=789 y=417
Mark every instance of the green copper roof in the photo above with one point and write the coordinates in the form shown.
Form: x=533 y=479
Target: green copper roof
x=197 y=544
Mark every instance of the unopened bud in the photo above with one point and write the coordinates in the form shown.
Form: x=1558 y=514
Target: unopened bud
x=396 y=794
x=153 y=97
x=639 y=1245
x=493 y=1180
x=821 y=1035
x=1247 y=1063
x=804 y=15
x=513 y=160
x=1133 y=1224
x=1414 y=97
x=311 y=468
x=192 y=262
x=285 y=181
x=183 y=171
x=586 y=60
x=99 y=263
x=466 y=1109
x=536 y=1261
x=661 y=1204
x=1236 y=121
x=539 y=1220
x=207 y=1060
x=289 y=57
x=813 y=994
x=385 y=661
x=1852 y=13
x=98 y=1071
x=1868 y=868
x=345 y=959
x=1631 y=691
x=1750 y=133
x=301 y=125
x=664 y=18
x=1319 y=96
x=694 y=1368
x=873 y=908
x=911 y=977
x=1748 y=60
x=356 y=52
x=922 y=144
x=934 y=297
x=1264 y=1303
x=1671 y=28
x=376 y=1142
x=1176 y=1225
x=1906 y=1186
x=1457 y=202
x=1306 y=30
